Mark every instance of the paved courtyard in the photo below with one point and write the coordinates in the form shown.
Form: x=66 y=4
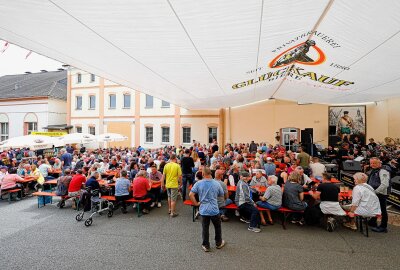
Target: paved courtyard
x=50 y=238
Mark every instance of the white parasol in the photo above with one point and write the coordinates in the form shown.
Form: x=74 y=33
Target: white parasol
x=78 y=138
x=33 y=142
x=111 y=137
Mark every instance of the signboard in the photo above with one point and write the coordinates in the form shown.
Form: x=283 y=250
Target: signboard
x=49 y=133
x=347 y=178
x=394 y=197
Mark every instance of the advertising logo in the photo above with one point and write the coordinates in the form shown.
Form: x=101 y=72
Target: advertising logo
x=294 y=62
x=300 y=54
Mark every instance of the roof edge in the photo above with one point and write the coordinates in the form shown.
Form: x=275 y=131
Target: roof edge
x=23 y=98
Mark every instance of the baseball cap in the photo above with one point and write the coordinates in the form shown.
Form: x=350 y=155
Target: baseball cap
x=269 y=158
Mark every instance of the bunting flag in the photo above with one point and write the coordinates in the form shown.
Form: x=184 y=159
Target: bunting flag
x=29 y=53
x=6 y=45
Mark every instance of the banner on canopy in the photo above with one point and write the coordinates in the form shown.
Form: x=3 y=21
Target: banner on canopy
x=49 y=133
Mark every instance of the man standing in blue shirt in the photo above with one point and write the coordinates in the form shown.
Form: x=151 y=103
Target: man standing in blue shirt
x=208 y=190
x=66 y=159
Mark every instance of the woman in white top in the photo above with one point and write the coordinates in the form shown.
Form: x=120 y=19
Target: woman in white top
x=196 y=160
x=364 y=203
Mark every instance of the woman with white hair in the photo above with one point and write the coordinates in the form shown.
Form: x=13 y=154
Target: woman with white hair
x=272 y=199
x=364 y=203
x=57 y=164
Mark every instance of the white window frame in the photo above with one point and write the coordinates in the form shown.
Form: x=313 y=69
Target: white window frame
x=148 y=98
x=4 y=126
x=34 y=127
x=76 y=103
x=167 y=136
x=109 y=101
x=183 y=135
x=94 y=129
x=90 y=104
x=165 y=104
x=130 y=100
x=216 y=134
x=152 y=134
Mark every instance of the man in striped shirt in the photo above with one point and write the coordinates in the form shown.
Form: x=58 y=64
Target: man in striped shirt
x=272 y=199
x=246 y=205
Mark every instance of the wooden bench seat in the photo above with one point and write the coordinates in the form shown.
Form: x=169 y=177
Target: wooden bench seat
x=131 y=200
x=231 y=206
x=10 y=192
x=285 y=214
x=108 y=198
x=362 y=221
x=52 y=194
x=138 y=201
x=283 y=210
x=43 y=194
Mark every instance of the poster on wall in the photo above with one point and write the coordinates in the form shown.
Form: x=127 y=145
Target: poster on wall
x=346 y=123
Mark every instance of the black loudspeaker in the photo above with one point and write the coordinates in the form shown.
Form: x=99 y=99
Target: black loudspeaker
x=307 y=139
x=351 y=165
x=334 y=140
x=332 y=130
x=307 y=135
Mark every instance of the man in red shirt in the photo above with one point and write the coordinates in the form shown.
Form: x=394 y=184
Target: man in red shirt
x=141 y=187
x=75 y=185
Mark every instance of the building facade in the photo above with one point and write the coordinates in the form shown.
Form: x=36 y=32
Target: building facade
x=32 y=102
x=97 y=106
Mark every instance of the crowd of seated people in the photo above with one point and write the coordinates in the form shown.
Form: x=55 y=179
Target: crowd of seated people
x=286 y=176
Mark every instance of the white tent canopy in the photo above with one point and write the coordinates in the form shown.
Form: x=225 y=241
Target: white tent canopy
x=212 y=54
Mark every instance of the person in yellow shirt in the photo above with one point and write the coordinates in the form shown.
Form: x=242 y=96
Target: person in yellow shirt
x=37 y=175
x=172 y=180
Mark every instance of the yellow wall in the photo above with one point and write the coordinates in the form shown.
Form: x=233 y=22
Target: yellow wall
x=377 y=121
x=260 y=121
x=123 y=128
x=394 y=117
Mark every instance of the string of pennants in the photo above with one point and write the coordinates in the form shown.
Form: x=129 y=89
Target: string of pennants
x=7 y=45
